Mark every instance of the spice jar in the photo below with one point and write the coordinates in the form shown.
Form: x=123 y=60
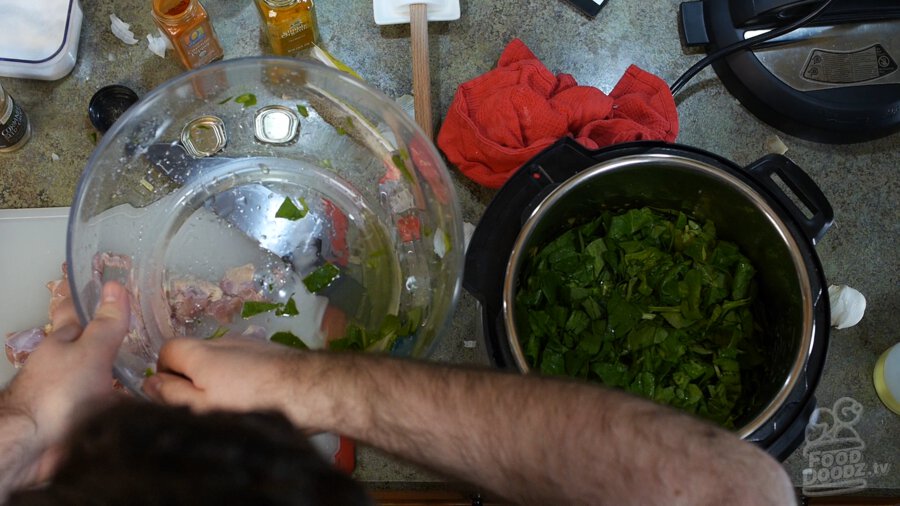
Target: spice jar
x=290 y=25
x=186 y=24
x=14 y=127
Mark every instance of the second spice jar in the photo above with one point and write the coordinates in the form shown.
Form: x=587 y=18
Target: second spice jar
x=289 y=25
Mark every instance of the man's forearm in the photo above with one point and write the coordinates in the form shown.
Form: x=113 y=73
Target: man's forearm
x=541 y=441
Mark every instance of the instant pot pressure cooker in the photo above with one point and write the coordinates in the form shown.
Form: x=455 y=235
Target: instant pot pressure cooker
x=567 y=182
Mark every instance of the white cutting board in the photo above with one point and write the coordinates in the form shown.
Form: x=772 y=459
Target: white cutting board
x=32 y=249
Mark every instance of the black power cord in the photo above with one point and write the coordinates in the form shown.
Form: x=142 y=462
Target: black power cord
x=745 y=44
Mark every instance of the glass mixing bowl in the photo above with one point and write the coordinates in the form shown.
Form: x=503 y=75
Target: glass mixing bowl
x=275 y=198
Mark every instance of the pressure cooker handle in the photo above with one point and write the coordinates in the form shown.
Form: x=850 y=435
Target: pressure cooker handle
x=820 y=215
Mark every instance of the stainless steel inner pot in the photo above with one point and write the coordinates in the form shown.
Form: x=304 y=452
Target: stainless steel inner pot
x=741 y=215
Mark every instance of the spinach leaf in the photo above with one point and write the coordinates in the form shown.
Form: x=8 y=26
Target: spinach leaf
x=288 y=309
x=219 y=332
x=289 y=211
x=288 y=339
x=354 y=339
x=553 y=362
x=246 y=100
x=320 y=278
x=252 y=308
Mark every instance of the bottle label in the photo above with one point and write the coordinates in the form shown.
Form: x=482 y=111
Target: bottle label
x=195 y=37
x=298 y=36
x=13 y=126
x=200 y=46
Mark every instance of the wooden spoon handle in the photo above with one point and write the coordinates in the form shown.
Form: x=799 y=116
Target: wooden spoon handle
x=418 y=25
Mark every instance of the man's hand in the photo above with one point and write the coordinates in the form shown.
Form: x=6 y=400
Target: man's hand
x=238 y=374
x=69 y=369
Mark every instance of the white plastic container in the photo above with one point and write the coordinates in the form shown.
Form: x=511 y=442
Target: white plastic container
x=887 y=378
x=39 y=38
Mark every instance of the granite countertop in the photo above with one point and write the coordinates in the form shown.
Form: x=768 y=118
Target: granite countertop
x=860 y=180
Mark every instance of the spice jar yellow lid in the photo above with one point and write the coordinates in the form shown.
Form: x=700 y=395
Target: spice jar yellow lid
x=887 y=378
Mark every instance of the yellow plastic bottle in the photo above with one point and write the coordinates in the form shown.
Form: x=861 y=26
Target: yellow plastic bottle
x=887 y=378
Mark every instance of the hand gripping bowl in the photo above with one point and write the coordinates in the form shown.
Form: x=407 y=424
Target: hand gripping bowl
x=275 y=198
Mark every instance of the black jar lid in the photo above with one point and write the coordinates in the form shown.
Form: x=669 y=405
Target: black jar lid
x=108 y=104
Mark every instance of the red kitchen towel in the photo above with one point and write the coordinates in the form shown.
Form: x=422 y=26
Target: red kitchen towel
x=501 y=119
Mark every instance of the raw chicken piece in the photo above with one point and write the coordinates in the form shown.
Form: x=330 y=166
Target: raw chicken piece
x=105 y=260
x=334 y=324
x=225 y=309
x=59 y=292
x=189 y=298
x=19 y=345
x=239 y=282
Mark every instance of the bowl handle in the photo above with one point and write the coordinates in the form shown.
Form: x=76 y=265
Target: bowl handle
x=820 y=215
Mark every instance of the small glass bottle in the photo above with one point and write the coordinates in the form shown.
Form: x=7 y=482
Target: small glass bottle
x=186 y=24
x=15 y=130
x=290 y=25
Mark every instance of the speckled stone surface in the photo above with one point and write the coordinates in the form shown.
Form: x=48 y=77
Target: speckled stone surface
x=861 y=181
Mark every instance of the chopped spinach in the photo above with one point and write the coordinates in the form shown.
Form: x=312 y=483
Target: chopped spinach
x=342 y=130
x=289 y=308
x=288 y=339
x=322 y=277
x=357 y=338
x=289 y=211
x=399 y=160
x=649 y=301
x=252 y=308
x=219 y=332
x=246 y=100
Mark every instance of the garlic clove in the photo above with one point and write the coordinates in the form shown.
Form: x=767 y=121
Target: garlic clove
x=847 y=306
x=121 y=30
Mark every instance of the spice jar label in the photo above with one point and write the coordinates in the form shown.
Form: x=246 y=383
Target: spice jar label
x=14 y=127
x=195 y=37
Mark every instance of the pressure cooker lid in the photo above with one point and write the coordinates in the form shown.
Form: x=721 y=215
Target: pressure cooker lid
x=837 y=80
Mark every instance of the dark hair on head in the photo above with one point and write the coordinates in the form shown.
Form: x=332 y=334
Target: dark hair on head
x=138 y=453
